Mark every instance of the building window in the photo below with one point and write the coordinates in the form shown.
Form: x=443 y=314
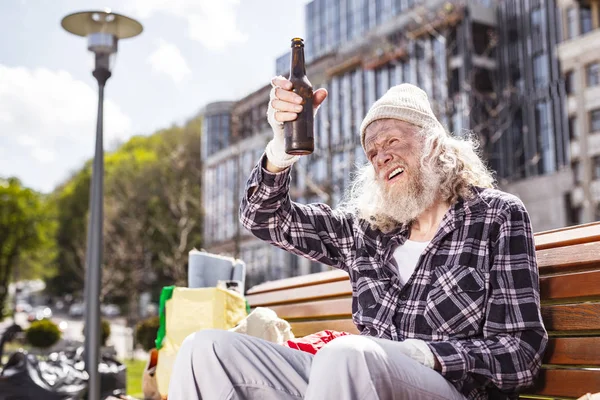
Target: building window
x=397 y=6
x=596 y=167
x=315 y=267
x=570 y=82
x=379 y=12
x=545 y=137
x=382 y=83
x=406 y=78
x=595 y=120
x=573 y=212
x=573 y=130
x=420 y=70
x=576 y=215
x=577 y=172
x=537 y=23
x=593 y=74
x=571 y=22
x=585 y=19
x=360 y=158
x=357 y=100
x=540 y=70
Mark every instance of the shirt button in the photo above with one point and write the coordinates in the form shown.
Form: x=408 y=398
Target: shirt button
x=404 y=297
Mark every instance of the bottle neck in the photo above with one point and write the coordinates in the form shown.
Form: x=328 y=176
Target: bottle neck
x=297 y=66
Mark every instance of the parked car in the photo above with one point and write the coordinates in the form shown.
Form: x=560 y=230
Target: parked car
x=110 y=310
x=76 y=310
x=39 y=313
x=23 y=307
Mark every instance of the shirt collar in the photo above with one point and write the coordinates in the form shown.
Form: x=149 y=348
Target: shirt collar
x=453 y=218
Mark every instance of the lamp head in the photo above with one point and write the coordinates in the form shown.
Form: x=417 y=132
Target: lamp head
x=103 y=30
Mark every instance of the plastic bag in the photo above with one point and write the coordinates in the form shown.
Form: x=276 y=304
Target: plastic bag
x=190 y=310
x=25 y=377
x=59 y=375
x=313 y=343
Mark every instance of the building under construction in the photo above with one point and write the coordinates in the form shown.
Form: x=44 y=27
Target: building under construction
x=488 y=67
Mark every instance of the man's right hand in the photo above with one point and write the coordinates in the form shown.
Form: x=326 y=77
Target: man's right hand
x=284 y=106
x=287 y=104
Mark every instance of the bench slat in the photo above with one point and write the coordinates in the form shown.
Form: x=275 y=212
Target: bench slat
x=568 y=236
x=572 y=317
x=304 y=293
x=566 y=382
x=580 y=284
x=318 y=309
x=569 y=258
x=573 y=351
x=301 y=329
x=299 y=281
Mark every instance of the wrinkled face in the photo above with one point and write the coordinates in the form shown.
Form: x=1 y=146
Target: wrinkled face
x=393 y=148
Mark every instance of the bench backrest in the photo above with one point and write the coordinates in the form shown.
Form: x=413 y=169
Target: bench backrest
x=569 y=265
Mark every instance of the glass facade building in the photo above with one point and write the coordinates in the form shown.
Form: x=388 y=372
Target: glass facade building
x=535 y=91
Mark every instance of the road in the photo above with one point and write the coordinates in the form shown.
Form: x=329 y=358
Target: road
x=121 y=337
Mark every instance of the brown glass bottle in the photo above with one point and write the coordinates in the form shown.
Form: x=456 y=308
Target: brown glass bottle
x=299 y=137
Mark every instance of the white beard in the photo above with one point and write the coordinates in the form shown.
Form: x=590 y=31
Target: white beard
x=387 y=208
x=405 y=201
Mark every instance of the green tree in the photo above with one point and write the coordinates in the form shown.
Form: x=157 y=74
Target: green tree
x=71 y=202
x=25 y=232
x=152 y=217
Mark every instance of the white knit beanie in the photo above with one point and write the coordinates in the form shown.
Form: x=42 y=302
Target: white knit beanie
x=405 y=102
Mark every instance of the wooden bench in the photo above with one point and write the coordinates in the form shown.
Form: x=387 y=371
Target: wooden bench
x=569 y=264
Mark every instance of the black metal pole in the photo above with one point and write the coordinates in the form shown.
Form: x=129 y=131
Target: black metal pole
x=93 y=277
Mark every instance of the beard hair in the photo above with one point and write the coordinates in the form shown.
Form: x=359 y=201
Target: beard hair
x=402 y=203
x=405 y=202
x=387 y=208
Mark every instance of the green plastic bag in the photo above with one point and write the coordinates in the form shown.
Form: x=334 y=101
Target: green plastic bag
x=165 y=295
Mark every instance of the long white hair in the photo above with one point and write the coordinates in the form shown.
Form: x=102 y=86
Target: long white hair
x=450 y=163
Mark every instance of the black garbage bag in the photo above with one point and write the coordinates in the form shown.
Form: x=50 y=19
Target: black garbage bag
x=26 y=377
x=9 y=335
x=113 y=377
x=60 y=375
x=113 y=373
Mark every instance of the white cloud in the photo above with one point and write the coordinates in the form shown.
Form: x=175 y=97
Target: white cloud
x=210 y=22
x=167 y=59
x=48 y=122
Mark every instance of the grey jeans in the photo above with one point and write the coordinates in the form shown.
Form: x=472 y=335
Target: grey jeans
x=222 y=365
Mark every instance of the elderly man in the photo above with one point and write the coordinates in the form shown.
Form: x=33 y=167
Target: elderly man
x=442 y=266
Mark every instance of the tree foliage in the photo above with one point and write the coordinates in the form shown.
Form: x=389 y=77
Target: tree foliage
x=26 y=230
x=152 y=217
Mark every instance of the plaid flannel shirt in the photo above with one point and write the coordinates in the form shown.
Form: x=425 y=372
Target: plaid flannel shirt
x=473 y=297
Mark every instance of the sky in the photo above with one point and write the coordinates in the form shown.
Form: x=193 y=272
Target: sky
x=191 y=52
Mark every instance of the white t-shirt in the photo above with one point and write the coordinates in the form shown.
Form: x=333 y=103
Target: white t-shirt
x=407 y=256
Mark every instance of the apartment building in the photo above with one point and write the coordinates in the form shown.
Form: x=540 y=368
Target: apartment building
x=579 y=55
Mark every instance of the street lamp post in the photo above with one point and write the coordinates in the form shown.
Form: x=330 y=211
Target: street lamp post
x=103 y=30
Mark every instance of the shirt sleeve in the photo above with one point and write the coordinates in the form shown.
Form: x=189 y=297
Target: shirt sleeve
x=509 y=354
x=314 y=231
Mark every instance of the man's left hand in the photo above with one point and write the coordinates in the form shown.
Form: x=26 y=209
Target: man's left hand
x=419 y=351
